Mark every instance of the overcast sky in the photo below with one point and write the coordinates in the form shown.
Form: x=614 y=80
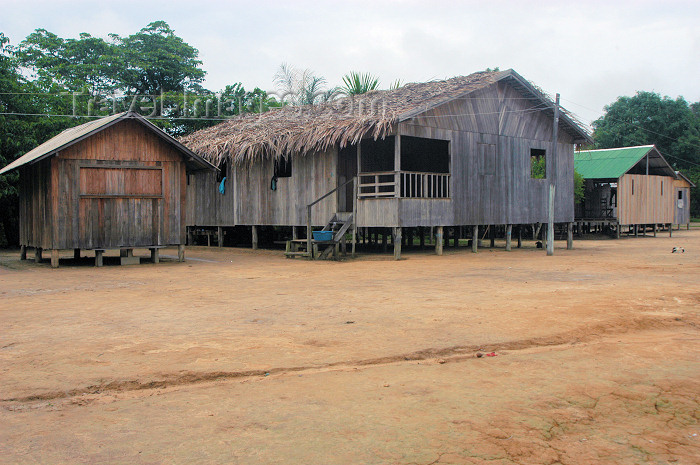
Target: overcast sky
x=590 y=52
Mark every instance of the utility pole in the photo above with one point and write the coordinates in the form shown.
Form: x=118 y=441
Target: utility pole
x=551 y=167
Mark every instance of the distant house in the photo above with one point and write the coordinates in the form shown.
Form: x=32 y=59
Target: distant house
x=118 y=182
x=629 y=187
x=682 y=199
x=450 y=153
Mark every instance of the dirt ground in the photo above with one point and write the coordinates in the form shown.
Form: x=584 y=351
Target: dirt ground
x=244 y=357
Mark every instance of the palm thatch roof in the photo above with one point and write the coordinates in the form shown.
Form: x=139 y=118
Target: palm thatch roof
x=294 y=130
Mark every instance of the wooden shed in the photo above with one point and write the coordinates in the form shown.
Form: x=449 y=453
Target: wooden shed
x=118 y=182
x=631 y=187
x=457 y=153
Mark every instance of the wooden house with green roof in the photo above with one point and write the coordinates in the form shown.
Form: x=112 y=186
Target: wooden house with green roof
x=628 y=186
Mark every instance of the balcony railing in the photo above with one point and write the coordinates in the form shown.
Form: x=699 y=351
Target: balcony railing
x=404 y=184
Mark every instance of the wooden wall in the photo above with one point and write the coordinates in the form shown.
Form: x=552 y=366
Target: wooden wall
x=206 y=206
x=681 y=214
x=501 y=117
x=121 y=187
x=647 y=205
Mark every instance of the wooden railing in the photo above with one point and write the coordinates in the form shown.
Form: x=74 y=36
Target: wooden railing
x=411 y=184
x=309 y=228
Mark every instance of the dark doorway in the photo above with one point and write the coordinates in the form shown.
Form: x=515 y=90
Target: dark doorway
x=347 y=169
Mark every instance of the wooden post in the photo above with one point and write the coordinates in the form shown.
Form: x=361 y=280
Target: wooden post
x=208 y=238
x=509 y=233
x=550 y=222
x=254 y=236
x=644 y=230
x=98 y=257
x=190 y=236
x=181 y=253
x=76 y=254
x=155 y=255
x=23 y=252
x=309 y=249
x=551 y=171
x=397 y=162
x=618 y=230
x=421 y=232
x=492 y=235
x=295 y=233
x=397 y=243
x=654 y=229
x=355 y=182
x=475 y=238
x=220 y=236
x=520 y=236
x=54 y=258
x=670 y=231
x=37 y=254
x=569 y=236
x=636 y=230
x=455 y=236
x=439 y=231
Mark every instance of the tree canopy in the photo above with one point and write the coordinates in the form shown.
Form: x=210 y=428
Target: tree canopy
x=647 y=118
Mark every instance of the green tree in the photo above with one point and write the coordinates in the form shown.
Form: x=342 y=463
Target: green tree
x=154 y=60
x=647 y=118
x=579 y=191
x=359 y=83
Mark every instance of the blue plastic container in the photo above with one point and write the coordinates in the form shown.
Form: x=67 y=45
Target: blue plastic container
x=323 y=235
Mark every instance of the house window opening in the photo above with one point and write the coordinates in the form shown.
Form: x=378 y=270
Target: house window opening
x=223 y=171
x=680 y=195
x=283 y=167
x=538 y=164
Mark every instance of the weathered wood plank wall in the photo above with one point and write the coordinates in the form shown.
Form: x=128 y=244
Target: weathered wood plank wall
x=121 y=187
x=646 y=205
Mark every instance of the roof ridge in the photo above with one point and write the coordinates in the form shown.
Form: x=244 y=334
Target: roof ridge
x=615 y=148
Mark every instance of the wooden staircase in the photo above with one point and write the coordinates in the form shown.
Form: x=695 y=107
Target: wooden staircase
x=339 y=224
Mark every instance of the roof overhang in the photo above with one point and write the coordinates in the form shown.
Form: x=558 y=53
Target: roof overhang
x=72 y=136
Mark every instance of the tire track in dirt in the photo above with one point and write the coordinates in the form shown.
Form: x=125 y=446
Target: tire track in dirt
x=455 y=353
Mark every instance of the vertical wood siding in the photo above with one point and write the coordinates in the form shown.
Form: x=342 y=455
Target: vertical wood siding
x=122 y=187
x=647 y=205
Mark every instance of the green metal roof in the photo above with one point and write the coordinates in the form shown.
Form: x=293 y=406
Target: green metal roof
x=608 y=163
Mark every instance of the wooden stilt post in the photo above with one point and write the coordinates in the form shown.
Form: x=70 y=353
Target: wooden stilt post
x=455 y=236
x=421 y=232
x=520 y=236
x=636 y=230
x=654 y=229
x=54 y=258
x=569 y=236
x=492 y=235
x=670 y=230
x=475 y=238
x=76 y=254
x=98 y=257
x=550 y=222
x=618 y=230
x=181 y=253
x=219 y=236
x=23 y=252
x=254 y=236
x=509 y=233
x=190 y=236
x=309 y=248
x=295 y=233
x=644 y=230
x=37 y=254
x=397 y=243
x=155 y=255
x=439 y=231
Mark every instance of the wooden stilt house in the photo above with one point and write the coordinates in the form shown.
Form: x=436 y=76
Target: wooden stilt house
x=118 y=182
x=472 y=151
x=631 y=188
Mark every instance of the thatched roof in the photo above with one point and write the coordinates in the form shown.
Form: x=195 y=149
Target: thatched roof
x=300 y=130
